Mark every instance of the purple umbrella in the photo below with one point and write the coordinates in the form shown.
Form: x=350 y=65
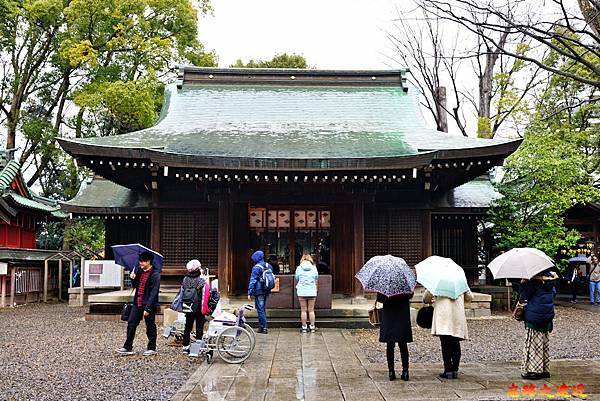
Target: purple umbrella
x=129 y=256
x=387 y=275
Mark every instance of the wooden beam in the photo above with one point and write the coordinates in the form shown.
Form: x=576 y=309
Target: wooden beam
x=60 y=268
x=426 y=240
x=156 y=217
x=359 y=245
x=224 y=259
x=13 y=278
x=81 y=280
x=45 y=280
x=3 y=300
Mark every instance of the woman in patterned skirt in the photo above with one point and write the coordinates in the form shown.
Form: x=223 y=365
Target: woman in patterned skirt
x=539 y=293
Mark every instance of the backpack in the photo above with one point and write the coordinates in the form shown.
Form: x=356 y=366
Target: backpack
x=213 y=300
x=268 y=278
x=189 y=296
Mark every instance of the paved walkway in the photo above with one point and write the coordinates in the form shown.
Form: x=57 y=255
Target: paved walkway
x=329 y=365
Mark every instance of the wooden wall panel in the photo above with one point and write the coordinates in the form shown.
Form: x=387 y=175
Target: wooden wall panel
x=455 y=237
x=394 y=231
x=342 y=239
x=125 y=232
x=190 y=234
x=241 y=263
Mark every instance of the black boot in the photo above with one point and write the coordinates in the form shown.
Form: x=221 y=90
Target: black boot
x=404 y=375
x=392 y=375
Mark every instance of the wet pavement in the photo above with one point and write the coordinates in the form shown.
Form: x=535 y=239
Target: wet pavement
x=329 y=365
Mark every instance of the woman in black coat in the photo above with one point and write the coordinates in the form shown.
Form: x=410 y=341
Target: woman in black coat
x=396 y=329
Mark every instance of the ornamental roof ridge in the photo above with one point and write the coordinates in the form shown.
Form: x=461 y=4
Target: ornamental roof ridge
x=291 y=76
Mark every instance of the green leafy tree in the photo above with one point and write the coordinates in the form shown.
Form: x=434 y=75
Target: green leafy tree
x=82 y=235
x=109 y=58
x=554 y=169
x=283 y=60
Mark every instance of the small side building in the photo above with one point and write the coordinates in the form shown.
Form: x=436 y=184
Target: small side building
x=21 y=213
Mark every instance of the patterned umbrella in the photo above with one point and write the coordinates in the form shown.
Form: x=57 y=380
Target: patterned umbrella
x=387 y=275
x=442 y=277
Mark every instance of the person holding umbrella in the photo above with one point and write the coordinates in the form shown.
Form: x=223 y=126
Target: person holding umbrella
x=394 y=282
x=537 y=292
x=446 y=287
x=146 y=281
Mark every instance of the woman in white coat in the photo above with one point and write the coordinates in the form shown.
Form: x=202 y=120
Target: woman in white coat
x=450 y=325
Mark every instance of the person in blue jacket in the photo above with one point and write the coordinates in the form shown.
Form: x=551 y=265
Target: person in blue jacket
x=306 y=277
x=256 y=289
x=538 y=293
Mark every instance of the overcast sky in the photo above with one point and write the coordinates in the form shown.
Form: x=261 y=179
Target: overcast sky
x=344 y=34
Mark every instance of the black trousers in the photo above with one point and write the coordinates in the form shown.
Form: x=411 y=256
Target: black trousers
x=135 y=317
x=403 y=355
x=450 y=353
x=574 y=286
x=190 y=319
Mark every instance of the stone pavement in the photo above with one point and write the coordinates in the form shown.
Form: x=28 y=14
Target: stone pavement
x=329 y=365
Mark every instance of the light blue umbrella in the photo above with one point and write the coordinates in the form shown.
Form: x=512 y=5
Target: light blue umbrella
x=129 y=256
x=442 y=277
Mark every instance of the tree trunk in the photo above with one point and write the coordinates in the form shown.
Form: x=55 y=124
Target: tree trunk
x=591 y=12
x=485 y=97
x=440 y=105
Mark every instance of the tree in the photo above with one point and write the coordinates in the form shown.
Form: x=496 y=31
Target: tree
x=283 y=60
x=438 y=56
x=570 y=33
x=420 y=48
x=554 y=169
x=108 y=58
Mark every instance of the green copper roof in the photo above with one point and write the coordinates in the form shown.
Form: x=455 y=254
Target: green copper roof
x=479 y=193
x=8 y=173
x=100 y=196
x=35 y=204
x=285 y=122
x=10 y=169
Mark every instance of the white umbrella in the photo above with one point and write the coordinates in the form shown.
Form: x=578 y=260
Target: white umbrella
x=442 y=277
x=520 y=263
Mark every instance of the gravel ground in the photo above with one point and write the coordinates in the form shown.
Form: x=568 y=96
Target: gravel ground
x=498 y=338
x=48 y=352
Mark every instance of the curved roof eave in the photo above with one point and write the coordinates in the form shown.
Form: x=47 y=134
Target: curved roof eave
x=76 y=149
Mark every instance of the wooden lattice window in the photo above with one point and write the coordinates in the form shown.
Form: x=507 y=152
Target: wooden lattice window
x=455 y=237
x=405 y=235
x=190 y=234
x=394 y=231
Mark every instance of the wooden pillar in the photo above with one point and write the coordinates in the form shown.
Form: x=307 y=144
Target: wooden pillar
x=156 y=217
x=225 y=259
x=60 y=268
x=45 y=280
x=3 y=301
x=70 y=273
x=81 y=280
x=13 y=278
x=426 y=240
x=358 y=212
x=122 y=278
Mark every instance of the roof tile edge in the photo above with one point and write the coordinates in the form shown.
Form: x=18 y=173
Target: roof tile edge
x=291 y=76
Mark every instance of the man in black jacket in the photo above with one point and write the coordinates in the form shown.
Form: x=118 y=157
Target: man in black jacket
x=146 y=282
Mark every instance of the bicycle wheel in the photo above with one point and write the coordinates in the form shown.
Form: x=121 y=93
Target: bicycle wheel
x=234 y=344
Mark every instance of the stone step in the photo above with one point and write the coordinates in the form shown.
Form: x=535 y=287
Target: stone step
x=336 y=323
x=115 y=309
